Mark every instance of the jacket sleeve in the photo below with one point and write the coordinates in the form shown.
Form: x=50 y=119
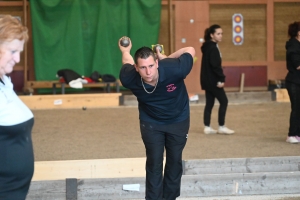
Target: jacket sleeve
x=215 y=62
x=295 y=59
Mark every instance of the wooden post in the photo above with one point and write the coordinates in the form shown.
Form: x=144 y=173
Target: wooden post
x=25 y=45
x=242 y=83
x=170 y=18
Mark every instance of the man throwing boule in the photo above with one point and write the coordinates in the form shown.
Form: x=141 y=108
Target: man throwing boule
x=157 y=81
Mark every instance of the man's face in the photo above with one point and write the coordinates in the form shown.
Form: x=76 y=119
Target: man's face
x=147 y=68
x=217 y=36
x=10 y=55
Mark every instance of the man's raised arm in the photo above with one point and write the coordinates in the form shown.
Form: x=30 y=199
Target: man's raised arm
x=126 y=57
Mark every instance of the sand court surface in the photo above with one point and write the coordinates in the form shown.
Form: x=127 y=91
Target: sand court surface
x=103 y=133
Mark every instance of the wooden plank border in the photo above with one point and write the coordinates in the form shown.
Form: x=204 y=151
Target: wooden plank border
x=72 y=101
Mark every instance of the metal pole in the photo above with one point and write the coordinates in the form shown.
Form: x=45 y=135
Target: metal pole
x=170 y=18
x=25 y=45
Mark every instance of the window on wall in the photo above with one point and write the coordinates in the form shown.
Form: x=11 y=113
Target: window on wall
x=254 y=47
x=284 y=14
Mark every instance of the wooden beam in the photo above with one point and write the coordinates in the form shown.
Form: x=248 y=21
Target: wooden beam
x=237 y=2
x=244 y=63
x=25 y=45
x=49 y=84
x=97 y=168
x=74 y=101
x=11 y=3
x=40 y=84
x=203 y=178
x=285 y=0
x=170 y=19
x=282 y=95
x=242 y=84
x=270 y=31
x=31 y=85
x=237 y=89
x=166 y=2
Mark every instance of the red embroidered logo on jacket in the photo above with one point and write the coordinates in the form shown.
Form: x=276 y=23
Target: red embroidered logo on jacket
x=171 y=87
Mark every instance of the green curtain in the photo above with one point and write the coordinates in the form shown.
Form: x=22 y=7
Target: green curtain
x=83 y=35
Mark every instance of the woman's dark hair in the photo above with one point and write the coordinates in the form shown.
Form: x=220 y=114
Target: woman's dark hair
x=210 y=30
x=294 y=28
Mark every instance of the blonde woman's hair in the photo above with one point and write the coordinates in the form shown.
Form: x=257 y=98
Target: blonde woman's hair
x=11 y=28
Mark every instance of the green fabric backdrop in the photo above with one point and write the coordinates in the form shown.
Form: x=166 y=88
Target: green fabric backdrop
x=83 y=35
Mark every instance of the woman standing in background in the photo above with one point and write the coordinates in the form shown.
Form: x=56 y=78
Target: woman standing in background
x=292 y=80
x=16 y=120
x=213 y=79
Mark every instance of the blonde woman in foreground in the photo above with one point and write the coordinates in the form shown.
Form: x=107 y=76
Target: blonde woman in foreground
x=16 y=120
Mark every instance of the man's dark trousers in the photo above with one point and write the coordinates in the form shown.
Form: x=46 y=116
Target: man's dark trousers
x=173 y=138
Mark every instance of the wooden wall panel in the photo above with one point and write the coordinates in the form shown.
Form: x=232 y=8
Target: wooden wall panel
x=30 y=61
x=233 y=76
x=164 y=37
x=198 y=11
x=238 y=1
x=270 y=31
x=277 y=70
x=255 y=76
x=71 y=101
x=284 y=14
x=254 y=47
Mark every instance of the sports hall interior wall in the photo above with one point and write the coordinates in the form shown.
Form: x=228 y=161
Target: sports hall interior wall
x=254 y=46
x=258 y=63
x=261 y=57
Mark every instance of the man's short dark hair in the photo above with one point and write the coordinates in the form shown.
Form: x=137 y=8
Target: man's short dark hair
x=144 y=53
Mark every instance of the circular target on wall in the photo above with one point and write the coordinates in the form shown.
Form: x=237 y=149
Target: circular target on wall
x=237 y=29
